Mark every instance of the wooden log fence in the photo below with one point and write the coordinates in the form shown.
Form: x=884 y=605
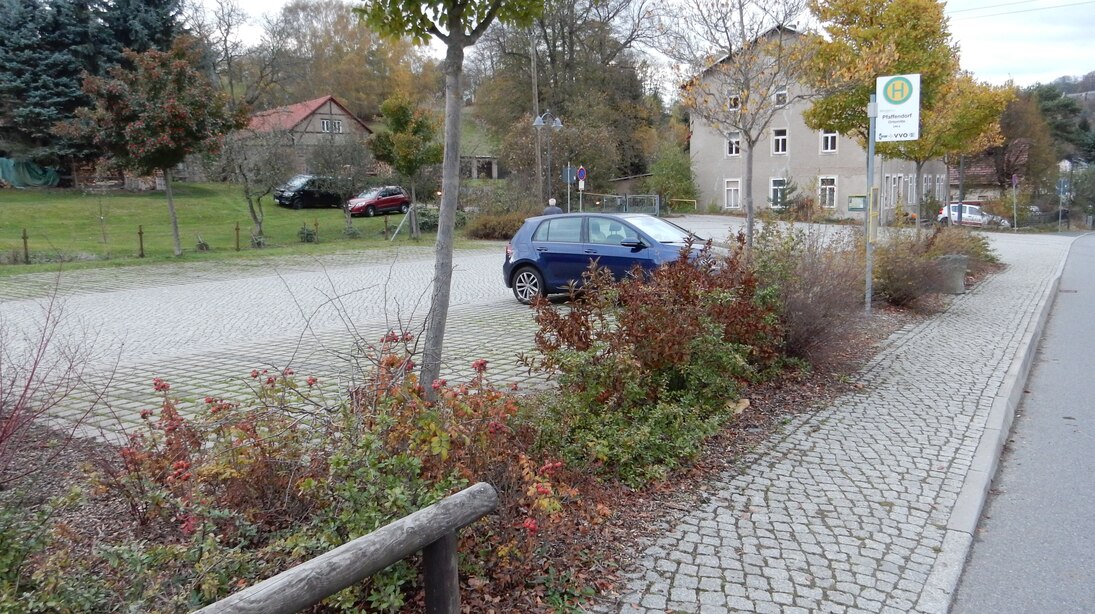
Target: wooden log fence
x=432 y=530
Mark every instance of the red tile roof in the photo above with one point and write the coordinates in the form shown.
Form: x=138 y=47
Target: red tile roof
x=288 y=117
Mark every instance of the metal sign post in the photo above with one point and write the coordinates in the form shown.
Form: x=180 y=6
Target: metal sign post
x=894 y=113
x=868 y=213
x=581 y=185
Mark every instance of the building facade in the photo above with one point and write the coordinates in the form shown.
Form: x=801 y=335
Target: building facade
x=827 y=166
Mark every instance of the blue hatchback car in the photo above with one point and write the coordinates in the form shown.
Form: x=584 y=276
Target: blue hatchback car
x=550 y=251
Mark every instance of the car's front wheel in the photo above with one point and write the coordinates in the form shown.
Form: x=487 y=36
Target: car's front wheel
x=370 y=211
x=296 y=203
x=527 y=285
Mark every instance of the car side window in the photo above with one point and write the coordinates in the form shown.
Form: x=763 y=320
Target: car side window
x=566 y=230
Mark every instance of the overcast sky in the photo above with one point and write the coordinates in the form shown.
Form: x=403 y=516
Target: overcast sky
x=1027 y=41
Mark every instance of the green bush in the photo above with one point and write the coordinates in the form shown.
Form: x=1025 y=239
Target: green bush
x=499 y=227
x=428 y=218
x=650 y=366
x=957 y=240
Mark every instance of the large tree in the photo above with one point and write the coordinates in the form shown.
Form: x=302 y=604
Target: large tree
x=866 y=39
x=745 y=61
x=458 y=24
x=586 y=68
x=45 y=48
x=151 y=116
x=409 y=144
x=1026 y=149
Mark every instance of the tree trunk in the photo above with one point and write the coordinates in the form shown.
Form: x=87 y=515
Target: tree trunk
x=416 y=234
x=450 y=191
x=171 y=212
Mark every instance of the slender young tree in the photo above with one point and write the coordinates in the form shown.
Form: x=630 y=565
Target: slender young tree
x=151 y=116
x=409 y=144
x=745 y=60
x=458 y=24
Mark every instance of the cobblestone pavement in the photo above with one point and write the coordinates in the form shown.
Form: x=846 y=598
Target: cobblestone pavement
x=847 y=509
x=203 y=327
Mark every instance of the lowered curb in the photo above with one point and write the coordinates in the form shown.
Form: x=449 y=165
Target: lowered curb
x=940 y=586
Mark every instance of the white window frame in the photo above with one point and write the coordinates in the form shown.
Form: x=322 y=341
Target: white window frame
x=895 y=190
x=780 y=98
x=886 y=195
x=826 y=194
x=338 y=126
x=778 y=199
x=927 y=187
x=911 y=191
x=325 y=125
x=728 y=186
x=779 y=143
x=826 y=137
x=733 y=146
x=939 y=189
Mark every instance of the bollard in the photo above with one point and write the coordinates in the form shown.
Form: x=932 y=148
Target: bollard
x=953 y=273
x=26 y=248
x=140 y=240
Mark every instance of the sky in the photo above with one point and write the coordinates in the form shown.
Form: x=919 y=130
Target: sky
x=1026 y=41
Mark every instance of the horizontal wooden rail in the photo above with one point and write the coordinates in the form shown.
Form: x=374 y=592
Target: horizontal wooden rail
x=432 y=529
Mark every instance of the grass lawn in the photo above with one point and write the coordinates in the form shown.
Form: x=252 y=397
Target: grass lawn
x=102 y=230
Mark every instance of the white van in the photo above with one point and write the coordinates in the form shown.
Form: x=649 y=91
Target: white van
x=972 y=215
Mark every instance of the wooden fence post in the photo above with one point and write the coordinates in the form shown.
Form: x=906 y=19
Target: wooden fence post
x=26 y=248
x=140 y=239
x=237 y=236
x=441 y=576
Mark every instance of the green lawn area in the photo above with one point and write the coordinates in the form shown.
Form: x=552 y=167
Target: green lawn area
x=102 y=230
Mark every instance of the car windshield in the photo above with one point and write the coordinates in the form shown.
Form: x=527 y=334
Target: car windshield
x=370 y=193
x=298 y=182
x=661 y=230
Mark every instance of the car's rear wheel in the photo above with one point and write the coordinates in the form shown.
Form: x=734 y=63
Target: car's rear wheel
x=404 y=208
x=370 y=211
x=527 y=285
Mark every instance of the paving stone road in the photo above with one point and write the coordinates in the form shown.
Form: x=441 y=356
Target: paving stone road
x=846 y=510
x=203 y=327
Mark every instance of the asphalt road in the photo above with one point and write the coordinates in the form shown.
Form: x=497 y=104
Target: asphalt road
x=1035 y=545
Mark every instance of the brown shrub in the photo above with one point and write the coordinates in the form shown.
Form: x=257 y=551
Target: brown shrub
x=818 y=275
x=500 y=227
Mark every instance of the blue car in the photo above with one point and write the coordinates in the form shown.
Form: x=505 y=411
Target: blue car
x=551 y=251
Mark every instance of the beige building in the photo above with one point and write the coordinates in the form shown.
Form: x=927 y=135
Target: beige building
x=828 y=166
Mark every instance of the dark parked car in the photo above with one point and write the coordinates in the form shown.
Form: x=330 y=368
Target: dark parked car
x=550 y=251
x=307 y=191
x=387 y=199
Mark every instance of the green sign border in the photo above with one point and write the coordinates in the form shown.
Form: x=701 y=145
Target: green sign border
x=886 y=89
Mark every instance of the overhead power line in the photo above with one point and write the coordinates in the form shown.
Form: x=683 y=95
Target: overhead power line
x=1030 y=10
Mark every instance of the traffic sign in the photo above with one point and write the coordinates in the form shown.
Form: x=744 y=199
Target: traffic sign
x=569 y=173
x=898 y=98
x=581 y=173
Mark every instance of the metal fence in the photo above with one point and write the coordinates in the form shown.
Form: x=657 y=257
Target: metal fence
x=617 y=203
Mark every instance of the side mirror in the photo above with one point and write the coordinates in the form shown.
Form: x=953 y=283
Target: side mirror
x=633 y=243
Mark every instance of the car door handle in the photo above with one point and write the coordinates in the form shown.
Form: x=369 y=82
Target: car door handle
x=591 y=251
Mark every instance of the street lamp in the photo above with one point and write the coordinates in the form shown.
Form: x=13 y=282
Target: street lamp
x=556 y=125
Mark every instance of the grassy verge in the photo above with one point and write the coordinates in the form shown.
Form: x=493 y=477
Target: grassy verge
x=98 y=230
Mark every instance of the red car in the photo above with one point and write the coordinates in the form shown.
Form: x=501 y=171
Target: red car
x=386 y=199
